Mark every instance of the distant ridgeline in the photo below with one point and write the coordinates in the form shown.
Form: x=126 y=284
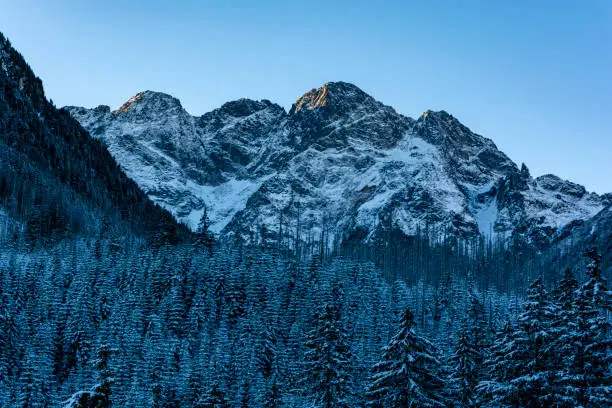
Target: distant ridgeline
x=341 y=172
x=338 y=166
x=55 y=180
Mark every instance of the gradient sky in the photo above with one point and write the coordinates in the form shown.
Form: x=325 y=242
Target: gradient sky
x=534 y=76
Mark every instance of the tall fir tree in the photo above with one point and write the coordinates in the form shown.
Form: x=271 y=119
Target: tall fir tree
x=464 y=377
x=267 y=355
x=100 y=394
x=328 y=361
x=530 y=362
x=105 y=373
x=468 y=355
x=268 y=368
x=214 y=397
x=409 y=374
x=203 y=238
x=592 y=360
x=272 y=397
x=494 y=386
x=563 y=391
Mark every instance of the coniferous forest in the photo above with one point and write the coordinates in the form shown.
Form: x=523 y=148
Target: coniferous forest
x=99 y=322
x=107 y=301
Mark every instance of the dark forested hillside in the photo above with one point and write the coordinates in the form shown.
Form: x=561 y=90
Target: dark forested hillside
x=54 y=177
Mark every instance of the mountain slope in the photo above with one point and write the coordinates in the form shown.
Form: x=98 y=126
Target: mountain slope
x=595 y=232
x=338 y=165
x=54 y=176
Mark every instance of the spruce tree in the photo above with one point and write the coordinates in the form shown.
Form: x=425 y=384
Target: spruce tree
x=592 y=360
x=409 y=374
x=563 y=390
x=464 y=376
x=100 y=394
x=204 y=239
x=267 y=355
x=468 y=355
x=328 y=361
x=530 y=363
x=105 y=374
x=565 y=292
x=215 y=397
x=267 y=366
x=272 y=397
x=494 y=386
x=27 y=392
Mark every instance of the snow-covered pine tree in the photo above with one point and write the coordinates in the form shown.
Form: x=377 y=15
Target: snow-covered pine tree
x=12 y=337
x=204 y=239
x=267 y=355
x=267 y=365
x=105 y=374
x=592 y=360
x=215 y=397
x=236 y=297
x=409 y=374
x=530 y=363
x=494 y=385
x=328 y=360
x=565 y=292
x=468 y=355
x=37 y=376
x=464 y=376
x=273 y=397
x=27 y=389
x=100 y=394
x=562 y=348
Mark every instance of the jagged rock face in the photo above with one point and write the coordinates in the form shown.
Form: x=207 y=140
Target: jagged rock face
x=339 y=162
x=184 y=162
x=594 y=232
x=339 y=115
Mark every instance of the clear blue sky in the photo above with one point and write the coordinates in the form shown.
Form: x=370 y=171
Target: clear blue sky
x=534 y=76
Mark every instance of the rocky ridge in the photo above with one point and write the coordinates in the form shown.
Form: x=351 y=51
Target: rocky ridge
x=338 y=164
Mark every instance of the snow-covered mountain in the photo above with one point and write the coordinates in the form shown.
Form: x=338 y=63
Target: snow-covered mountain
x=339 y=163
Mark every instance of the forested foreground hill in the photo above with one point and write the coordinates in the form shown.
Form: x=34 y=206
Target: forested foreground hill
x=55 y=180
x=88 y=324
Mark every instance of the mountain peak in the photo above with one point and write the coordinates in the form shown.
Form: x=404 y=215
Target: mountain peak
x=552 y=182
x=127 y=105
x=425 y=114
x=331 y=93
x=440 y=127
x=315 y=98
x=244 y=107
x=151 y=99
x=437 y=115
